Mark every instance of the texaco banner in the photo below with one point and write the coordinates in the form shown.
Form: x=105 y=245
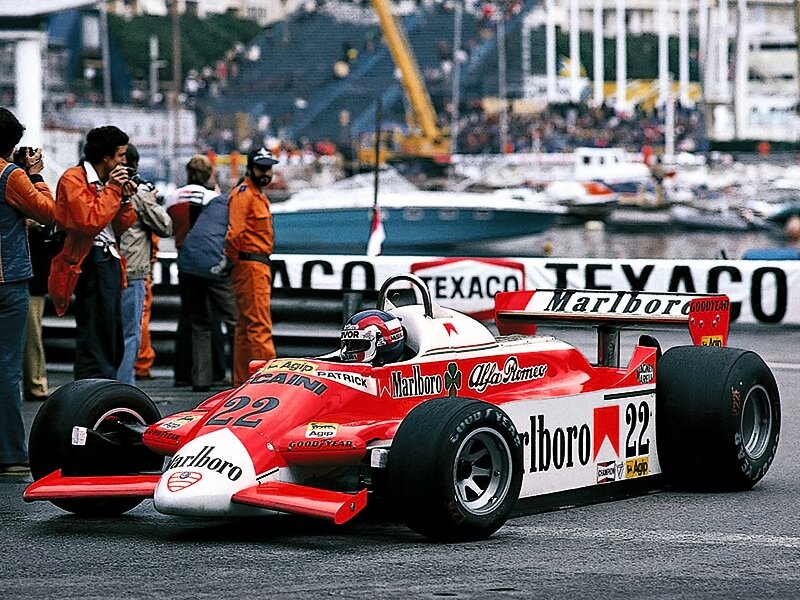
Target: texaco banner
x=760 y=291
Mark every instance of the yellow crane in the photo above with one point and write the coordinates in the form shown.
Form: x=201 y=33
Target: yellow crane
x=424 y=139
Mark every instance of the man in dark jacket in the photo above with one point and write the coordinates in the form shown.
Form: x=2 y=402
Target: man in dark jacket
x=205 y=274
x=23 y=193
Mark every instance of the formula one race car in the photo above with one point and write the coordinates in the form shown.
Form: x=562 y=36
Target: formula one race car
x=453 y=436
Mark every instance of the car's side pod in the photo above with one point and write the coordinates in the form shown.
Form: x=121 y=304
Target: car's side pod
x=706 y=315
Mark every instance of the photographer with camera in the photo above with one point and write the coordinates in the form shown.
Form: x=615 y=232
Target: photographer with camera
x=23 y=194
x=136 y=246
x=93 y=207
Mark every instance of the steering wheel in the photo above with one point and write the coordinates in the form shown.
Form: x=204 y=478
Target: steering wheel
x=427 y=303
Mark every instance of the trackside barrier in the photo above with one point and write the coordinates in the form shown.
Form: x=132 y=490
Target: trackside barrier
x=314 y=294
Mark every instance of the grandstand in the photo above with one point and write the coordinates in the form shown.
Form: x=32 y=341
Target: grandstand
x=300 y=65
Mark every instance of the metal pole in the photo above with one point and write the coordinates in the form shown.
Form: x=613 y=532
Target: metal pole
x=597 y=38
x=574 y=51
x=28 y=87
x=176 y=86
x=663 y=48
x=702 y=33
x=683 y=51
x=722 y=56
x=550 y=49
x=456 y=94
x=797 y=34
x=153 y=68
x=376 y=166
x=741 y=74
x=622 y=57
x=669 y=123
x=106 y=53
x=501 y=80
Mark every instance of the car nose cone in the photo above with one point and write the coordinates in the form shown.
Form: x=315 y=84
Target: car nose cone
x=201 y=478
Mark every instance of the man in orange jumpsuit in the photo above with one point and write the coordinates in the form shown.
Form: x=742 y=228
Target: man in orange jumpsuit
x=249 y=245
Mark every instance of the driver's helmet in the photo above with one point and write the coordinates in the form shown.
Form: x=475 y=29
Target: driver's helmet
x=372 y=336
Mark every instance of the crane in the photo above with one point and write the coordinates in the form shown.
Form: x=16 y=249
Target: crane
x=425 y=139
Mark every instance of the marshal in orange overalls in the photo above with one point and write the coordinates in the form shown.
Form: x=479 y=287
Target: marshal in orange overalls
x=249 y=244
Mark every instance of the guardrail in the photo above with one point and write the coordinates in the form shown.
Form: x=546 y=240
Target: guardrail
x=306 y=322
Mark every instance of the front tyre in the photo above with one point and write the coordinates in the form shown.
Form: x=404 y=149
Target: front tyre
x=99 y=405
x=455 y=469
x=718 y=417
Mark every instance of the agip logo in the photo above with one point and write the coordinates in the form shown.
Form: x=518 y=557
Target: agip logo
x=321 y=430
x=299 y=366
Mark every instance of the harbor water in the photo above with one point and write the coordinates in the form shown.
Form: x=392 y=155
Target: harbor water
x=595 y=241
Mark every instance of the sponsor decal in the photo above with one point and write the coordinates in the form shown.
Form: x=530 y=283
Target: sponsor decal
x=707 y=304
x=182 y=480
x=621 y=303
x=321 y=430
x=450 y=329
x=290 y=365
x=637 y=467
x=560 y=447
x=205 y=460
x=645 y=374
x=493 y=415
x=760 y=292
x=452 y=379
x=179 y=421
x=488 y=374
x=327 y=443
x=288 y=378
x=606 y=427
x=736 y=402
x=711 y=340
x=765 y=290
x=164 y=435
x=470 y=285
x=350 y=379
x=575 y=444
x=606 y=471
x=416 y=385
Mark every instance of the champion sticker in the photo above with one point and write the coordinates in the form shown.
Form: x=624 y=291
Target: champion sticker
x=182 y=480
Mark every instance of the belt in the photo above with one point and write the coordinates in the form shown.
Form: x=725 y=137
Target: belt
x=256 y=256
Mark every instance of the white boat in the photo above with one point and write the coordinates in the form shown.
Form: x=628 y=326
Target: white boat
x=337 y=221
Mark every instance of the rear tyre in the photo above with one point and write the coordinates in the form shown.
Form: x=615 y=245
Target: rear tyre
x=718 y=417
x=96 y=404
x=455 y=469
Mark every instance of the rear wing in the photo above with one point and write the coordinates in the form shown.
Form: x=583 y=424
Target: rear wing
x=707 y=316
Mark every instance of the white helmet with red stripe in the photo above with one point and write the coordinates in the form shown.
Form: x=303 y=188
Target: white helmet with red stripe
x=372 y=336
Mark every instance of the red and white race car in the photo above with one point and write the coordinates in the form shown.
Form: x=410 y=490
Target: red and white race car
x=454 y=436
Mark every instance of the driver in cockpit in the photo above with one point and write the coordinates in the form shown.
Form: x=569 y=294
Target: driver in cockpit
x=373 y=336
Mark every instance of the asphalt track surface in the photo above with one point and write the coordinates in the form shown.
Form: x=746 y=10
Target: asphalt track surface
x=663 y=545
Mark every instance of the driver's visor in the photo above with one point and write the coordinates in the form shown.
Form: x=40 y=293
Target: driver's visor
x=356 y=344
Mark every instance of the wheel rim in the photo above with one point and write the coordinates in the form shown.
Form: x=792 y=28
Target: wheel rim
x=757 y=422
x=482 y=471
x=126 y=415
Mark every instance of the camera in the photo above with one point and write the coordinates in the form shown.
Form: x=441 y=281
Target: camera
x=21 y=156
x=134 y=176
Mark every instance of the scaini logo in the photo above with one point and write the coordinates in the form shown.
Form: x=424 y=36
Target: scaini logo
x=182 y=480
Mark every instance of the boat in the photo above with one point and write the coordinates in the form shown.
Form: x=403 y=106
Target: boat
x=338 y=221
x=724 y=219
